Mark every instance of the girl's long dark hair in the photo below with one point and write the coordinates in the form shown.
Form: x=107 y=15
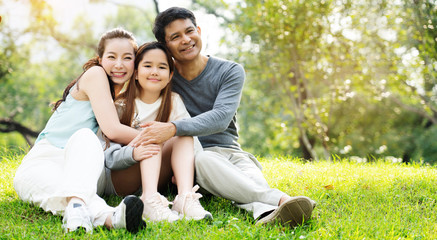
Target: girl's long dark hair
x=111 y=34
x=133 y=87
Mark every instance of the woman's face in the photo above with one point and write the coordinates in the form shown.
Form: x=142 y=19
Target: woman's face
x=118 y=60
x=153 y=72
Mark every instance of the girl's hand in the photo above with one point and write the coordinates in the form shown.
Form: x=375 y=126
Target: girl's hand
x=144 y=152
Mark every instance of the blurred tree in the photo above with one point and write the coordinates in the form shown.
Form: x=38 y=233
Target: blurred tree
x=40 y=60
x=417 y=75
x=287 y=57
x=329 y=76
x=35 y=75
x=323 y=77
x=136 y=20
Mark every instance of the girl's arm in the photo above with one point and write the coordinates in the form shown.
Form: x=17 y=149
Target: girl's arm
x=119 y=157
x=94 y=83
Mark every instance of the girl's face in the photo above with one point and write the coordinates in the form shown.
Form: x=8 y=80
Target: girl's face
x=118 y=60
x=153 y=72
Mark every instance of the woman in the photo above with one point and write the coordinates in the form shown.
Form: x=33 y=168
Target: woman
x=60 y=172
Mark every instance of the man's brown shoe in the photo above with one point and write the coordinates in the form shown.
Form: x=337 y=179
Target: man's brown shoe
x=292 y=212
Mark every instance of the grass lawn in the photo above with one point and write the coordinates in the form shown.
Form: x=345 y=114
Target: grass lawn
x=378 y=200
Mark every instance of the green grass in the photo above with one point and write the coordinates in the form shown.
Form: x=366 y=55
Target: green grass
x=377 y=200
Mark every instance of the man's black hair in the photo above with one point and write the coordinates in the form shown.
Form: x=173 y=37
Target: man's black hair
x=168 y=16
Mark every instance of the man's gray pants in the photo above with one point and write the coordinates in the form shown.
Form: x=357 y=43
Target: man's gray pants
x=236 y=175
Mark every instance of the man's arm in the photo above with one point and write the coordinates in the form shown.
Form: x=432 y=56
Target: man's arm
x=157 y=132
x=224 y=109
x=160 y=132
x=213 y=121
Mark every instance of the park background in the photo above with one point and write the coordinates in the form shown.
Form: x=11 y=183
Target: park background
x=326 y=79
x=350 y=83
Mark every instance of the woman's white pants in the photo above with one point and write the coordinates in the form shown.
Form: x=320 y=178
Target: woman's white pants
x=48 y=175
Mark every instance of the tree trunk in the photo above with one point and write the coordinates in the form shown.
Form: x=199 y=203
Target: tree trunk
x=8 y=125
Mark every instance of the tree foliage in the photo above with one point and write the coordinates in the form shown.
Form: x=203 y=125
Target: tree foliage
x=336 y=77
x=324 y=78
x=30 y=84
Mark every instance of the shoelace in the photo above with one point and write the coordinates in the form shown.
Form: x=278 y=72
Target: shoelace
x=194 y=198
x=159 y=203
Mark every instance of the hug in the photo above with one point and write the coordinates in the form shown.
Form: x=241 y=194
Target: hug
x=141 y=119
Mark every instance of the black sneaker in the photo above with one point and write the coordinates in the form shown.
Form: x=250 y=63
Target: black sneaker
x=128 y=214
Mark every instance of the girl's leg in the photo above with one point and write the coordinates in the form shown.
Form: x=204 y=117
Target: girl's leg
x=155 y=205
x=178 y=159
x=144 y=174
x=150 y=169
x=127 y=181
x=186 y=202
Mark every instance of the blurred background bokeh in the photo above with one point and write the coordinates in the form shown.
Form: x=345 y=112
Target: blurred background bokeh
x=326 y=79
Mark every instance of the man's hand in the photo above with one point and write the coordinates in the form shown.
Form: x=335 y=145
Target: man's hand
x=154 y=132
x=144 y=152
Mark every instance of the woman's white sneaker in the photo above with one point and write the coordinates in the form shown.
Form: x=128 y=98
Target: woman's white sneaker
x=76 y=216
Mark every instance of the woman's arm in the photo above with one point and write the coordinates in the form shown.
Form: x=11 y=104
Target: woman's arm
x=94 y=83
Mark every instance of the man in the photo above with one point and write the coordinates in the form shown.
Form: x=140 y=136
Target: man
x=211 y=89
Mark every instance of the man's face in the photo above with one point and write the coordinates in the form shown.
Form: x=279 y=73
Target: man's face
x=183 y=39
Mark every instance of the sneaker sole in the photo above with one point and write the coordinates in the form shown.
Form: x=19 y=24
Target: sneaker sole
x=134 y=212
x=79 y=226
x=207 y=217
x=292 y=212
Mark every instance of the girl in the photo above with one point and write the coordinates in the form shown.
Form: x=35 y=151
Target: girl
x=155 y=101
x=60 y=172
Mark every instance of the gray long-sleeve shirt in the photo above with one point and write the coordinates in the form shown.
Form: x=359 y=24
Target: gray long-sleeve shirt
x=212 y=99
x=119 y=157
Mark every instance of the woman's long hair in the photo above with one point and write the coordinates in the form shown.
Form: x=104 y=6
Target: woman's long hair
x=133 y=87
x=111 y=34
